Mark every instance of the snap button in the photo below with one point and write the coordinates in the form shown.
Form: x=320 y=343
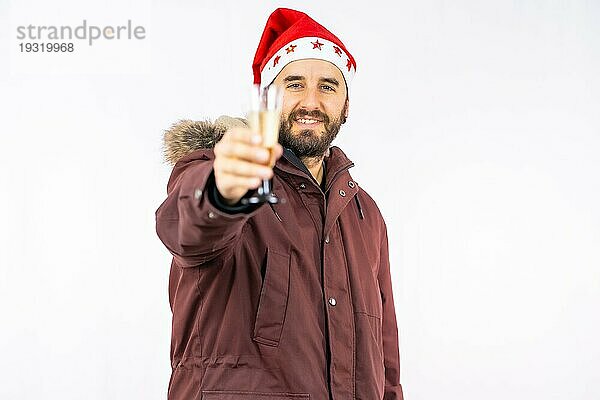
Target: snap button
x=197 y=193
x=302 y=186
x=332 y=301
x=342 y=193
x=351 y=184
x=327 y=239
x=211 y=215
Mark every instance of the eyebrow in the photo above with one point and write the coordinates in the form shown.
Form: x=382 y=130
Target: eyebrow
x=291 y=78
x=332 y=81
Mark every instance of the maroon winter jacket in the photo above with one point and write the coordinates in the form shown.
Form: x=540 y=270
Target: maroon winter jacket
x=289 y=301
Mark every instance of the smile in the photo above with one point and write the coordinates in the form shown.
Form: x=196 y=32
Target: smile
x=307 y=121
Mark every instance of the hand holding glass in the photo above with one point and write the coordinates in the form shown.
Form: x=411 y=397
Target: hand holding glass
x=263 y=117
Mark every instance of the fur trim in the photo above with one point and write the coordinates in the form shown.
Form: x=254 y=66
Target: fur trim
x=186 y=136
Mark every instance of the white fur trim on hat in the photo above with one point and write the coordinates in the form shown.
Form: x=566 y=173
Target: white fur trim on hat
x=305 y=48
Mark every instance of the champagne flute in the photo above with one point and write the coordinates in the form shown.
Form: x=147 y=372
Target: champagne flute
x=264 y=118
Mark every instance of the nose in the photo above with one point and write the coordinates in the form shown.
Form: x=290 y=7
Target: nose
x=311 y=100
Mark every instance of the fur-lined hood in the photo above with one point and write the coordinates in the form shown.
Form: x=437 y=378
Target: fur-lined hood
x=186 y=136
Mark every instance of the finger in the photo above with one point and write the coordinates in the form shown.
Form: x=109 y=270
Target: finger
x=232 y=181
x=242 y=151
x=239 y=167
x=243 y=135
x=277 y=150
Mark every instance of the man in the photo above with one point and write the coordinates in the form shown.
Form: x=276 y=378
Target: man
x=279 y=301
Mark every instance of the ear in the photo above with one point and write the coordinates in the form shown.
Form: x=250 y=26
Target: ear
x=346 y=106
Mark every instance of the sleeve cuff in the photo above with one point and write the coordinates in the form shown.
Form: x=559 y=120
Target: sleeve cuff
x=219 y=202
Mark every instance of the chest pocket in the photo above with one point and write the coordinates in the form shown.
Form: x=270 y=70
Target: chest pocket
x=273 y=301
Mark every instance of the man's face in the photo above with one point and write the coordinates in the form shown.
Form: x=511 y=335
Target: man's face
x=315 y=106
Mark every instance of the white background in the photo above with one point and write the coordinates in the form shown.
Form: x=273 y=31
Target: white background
x=474 y=124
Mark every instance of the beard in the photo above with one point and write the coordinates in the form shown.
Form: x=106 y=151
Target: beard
x=307 y=142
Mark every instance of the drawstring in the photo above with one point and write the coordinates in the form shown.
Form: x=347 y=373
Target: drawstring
x=277 y=215
x=360 y=211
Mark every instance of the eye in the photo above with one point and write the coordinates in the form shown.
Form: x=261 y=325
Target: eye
x=294 y=86
x=327 y=88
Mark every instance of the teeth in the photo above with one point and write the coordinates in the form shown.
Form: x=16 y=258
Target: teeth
x=307 y=121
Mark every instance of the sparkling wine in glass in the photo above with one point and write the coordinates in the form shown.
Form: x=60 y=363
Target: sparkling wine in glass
x=264 y=117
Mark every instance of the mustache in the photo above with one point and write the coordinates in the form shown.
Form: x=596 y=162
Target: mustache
x=316 y=114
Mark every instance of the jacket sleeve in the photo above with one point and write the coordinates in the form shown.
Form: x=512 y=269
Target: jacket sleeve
x=190 y=225
x=391 y=354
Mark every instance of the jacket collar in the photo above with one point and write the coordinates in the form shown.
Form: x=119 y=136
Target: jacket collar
x=335 y=159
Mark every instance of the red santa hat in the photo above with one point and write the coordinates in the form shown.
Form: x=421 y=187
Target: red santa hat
x=291 y=35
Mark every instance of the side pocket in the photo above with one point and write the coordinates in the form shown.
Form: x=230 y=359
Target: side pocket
x=272 y=304
x=235 y=395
